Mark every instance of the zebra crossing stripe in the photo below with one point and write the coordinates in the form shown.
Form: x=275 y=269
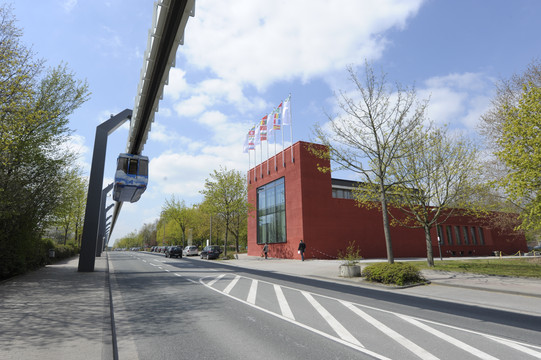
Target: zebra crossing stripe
x=516 y=346
x=331 y=320
x=216 y=279
x=253 y=292
x=408 y=344
x=284 y=306
x=460 y=344
x=232 y=284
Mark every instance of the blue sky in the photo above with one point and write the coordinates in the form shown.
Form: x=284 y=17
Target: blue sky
x=240 y=58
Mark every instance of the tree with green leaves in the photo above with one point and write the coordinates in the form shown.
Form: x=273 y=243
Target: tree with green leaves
x=509 y=93
x=35 y=105
x=370 y=134
x=438 y=180
x=520 y=150
x=177 y=211
x=69 y=213
x=225 y=197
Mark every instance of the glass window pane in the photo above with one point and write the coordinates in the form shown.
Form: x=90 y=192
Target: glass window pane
x=466 y=241
x=440 y=234
x=457 y=236
x=271 y=212
x=449 y=235
x=132 y=170
x=143 y=167
x=481 y=237
x=473 y=237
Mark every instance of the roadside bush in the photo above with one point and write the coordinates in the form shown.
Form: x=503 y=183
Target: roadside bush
x=396 y=274
x=65 y=251
x=228 y=257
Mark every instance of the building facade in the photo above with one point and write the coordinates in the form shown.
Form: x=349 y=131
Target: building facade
x=293 y=200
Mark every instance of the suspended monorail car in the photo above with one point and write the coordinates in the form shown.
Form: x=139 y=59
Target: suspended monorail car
x=131 y=177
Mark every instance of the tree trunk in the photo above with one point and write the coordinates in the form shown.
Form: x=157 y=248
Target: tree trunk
x=386 y=229
x=429 y=252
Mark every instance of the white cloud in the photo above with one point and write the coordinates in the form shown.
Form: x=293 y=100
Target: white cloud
x=258 y=43
x=76 y=144
x=69 y=5
x=193 y=106
x=177 y=84
x=457 y=98
x=248 y=44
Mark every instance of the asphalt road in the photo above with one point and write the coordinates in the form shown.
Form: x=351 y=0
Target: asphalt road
x=199 y=309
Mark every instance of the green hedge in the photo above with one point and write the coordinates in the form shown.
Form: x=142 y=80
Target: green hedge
x=397 y=274
x=20 y=256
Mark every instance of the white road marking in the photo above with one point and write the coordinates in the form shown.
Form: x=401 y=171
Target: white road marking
x=411 y=346
x=460 y=344
x=331 y=320
x=232 y=284
x=216 y=279
x=253 y=292
x=516 y=346
x=282 y=301
x=316 y=331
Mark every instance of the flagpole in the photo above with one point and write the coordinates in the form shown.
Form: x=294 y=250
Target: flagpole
x=283 y=147
x=261 y=155
x=275 y=151
x=291 y=128
x=268 y=172
x=255 y=162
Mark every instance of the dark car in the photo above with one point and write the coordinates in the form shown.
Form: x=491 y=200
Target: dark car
x=174 y=251
x=211 y=252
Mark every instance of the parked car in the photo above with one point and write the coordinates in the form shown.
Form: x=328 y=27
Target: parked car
x=211 y=252
x=190 y=251
x=174 y=251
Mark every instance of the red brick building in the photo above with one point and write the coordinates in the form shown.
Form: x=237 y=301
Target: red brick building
x=294 y=201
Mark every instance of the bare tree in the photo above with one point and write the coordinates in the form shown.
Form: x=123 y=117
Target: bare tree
x=371 y=134
x=439 y=178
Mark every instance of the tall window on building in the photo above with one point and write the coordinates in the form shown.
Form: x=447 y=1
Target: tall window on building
x=457 y=236
x=271 y=213
x=449 y=235
x=440 y=234
x=481 y=237
x=466 y=241
x=473 y=237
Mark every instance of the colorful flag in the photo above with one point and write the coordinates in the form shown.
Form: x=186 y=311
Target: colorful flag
x=249 y=141
x=263 y=128
x=277 y=119
x=286 y=112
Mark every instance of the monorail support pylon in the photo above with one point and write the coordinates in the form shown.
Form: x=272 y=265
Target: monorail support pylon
x=87 y=257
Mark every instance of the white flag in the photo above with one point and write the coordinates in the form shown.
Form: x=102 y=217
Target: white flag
x=286 y=112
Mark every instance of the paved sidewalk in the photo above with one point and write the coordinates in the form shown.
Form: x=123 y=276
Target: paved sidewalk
x=522 y=295
x=56 y=313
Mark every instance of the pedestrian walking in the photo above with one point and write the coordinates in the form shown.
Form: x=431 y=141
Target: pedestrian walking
x=302 y=248
x=266 y=250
